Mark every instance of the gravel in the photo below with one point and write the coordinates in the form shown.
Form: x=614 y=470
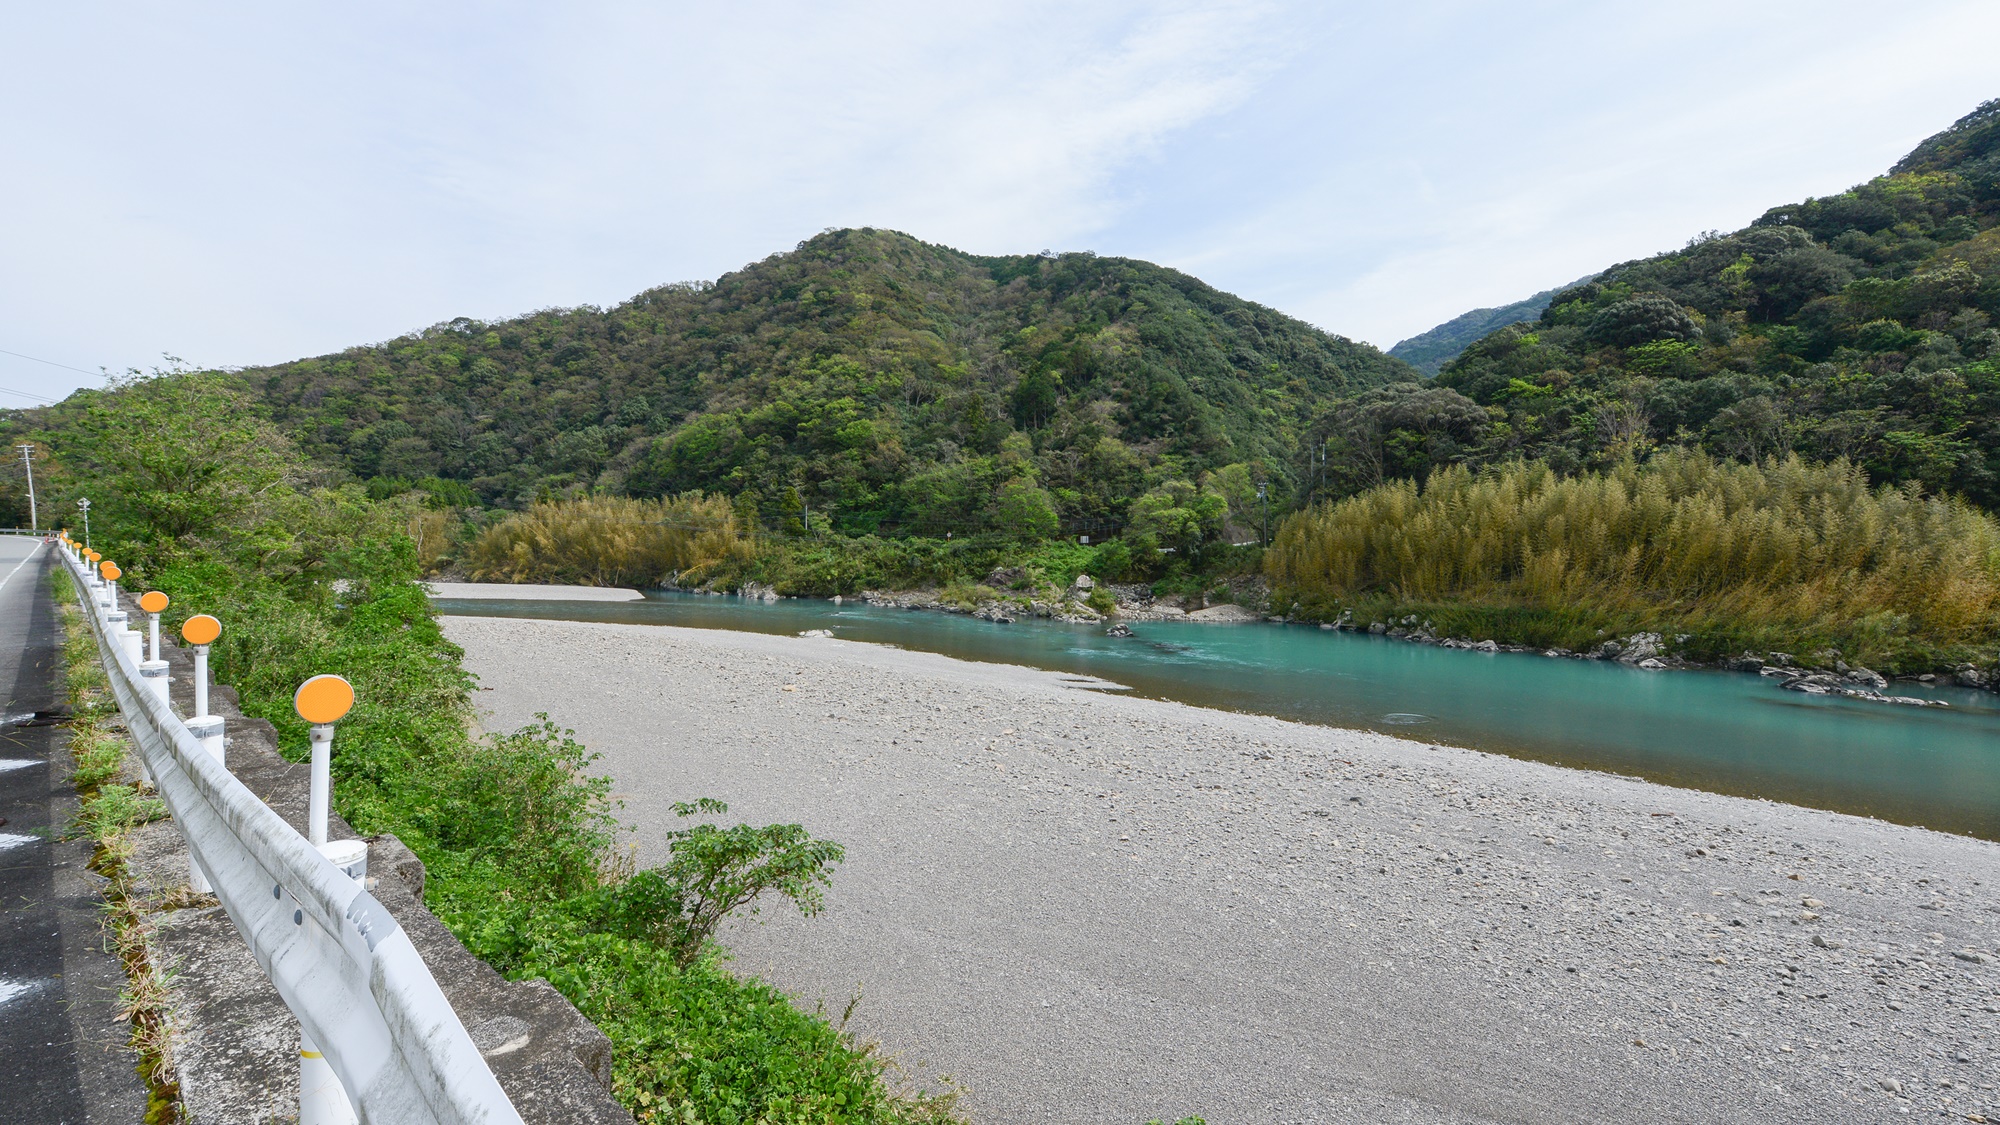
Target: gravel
x=1085 y=907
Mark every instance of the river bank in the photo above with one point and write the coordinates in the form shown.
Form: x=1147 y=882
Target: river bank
x=1091 y=907
x=1822 y=672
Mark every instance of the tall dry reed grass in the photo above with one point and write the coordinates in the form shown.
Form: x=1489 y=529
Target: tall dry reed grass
x=609 y=541
x=1799 y=548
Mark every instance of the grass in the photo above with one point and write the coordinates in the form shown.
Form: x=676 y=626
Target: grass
x=108 y=811
x=1783 y=555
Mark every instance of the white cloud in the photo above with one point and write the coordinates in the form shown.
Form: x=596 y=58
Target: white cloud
x=240 y=184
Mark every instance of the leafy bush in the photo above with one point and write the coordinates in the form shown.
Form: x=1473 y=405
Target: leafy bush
x=714 y=873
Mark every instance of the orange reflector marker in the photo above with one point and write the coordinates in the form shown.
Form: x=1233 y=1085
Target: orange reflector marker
x=152 y=601
x=323 y=699
x=110 y=571
x=201 y=629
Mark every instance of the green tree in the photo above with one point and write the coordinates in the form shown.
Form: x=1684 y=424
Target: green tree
x=1180 y=515
x=174 y=457
x=1025 y=511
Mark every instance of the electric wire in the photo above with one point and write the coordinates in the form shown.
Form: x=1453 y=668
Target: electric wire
x=51 y=363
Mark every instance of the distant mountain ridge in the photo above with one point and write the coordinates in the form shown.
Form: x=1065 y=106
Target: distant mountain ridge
x=1429 y=351
x=891 y=384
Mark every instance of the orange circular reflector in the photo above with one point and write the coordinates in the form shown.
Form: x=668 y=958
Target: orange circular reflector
x=323 y=699
x=152 y=601
x=200 y=629
x=93 y=556
x=110 y=571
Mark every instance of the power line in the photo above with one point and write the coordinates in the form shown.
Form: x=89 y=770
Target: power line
x=51 y=363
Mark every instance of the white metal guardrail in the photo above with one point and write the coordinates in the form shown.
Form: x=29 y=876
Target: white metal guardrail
x=341 y=963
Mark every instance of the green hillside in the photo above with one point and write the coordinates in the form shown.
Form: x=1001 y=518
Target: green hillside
x=1429 y=351
x=889 y=384
x=1859 y=325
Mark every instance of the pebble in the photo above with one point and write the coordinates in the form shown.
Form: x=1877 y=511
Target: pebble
x=1280 y=856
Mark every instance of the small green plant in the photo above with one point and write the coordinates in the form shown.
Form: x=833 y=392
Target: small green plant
x=716 y=872
x=113 y=809
x=966 y=595
x=1101 y=600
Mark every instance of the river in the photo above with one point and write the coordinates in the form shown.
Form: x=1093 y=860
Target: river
x=1725 y=732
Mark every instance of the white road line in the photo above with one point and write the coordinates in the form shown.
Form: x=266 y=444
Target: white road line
x=22 y=563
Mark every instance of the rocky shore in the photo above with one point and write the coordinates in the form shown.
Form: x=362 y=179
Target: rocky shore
x=1091 y=907
x=1004 y=597
x=1826 y=674
x=1822 y=673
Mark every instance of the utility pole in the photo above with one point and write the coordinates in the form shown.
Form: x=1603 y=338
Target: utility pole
x=83 y=505
x=27 y=460
x=1265 y=539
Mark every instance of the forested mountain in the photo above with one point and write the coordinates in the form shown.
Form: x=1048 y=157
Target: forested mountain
x=1859 y=325
x=1429 y=351
x=887 y=383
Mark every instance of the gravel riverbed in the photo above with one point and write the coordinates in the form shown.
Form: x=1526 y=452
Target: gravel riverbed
x=1090 y=908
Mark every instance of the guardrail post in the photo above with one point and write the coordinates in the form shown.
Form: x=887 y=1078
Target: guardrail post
x=324 y=701
x=154 y=603
x=199 y=632
x=322 y=1099
x=128 y=638
x=153 y=670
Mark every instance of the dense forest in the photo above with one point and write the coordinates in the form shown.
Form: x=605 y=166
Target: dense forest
x=865 y=380
x=1859 y=326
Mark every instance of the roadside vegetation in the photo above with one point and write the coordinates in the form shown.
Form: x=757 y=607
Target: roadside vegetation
x=1782 y=554
x=193 y=494
x=109 y=808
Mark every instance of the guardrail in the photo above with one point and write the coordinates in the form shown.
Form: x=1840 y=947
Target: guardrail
x=361 y=992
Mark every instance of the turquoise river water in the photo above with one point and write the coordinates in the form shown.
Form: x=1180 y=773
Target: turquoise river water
x=1721 y=731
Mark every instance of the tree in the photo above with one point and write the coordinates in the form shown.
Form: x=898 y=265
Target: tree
x=1642 y=320
x=1025 y=511
x=176 y=457
x=715 y=872
x=1180 y=515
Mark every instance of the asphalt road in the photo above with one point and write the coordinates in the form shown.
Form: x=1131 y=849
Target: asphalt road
x=63 y=1058
x=1100 y=910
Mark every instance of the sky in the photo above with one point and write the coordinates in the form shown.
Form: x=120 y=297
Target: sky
x=236 y=184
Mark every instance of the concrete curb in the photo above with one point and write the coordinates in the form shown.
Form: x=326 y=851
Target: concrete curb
x=236 y=1046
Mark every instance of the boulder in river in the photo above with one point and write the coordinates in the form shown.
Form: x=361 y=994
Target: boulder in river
x=1639 y=646
x=1866 y=678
